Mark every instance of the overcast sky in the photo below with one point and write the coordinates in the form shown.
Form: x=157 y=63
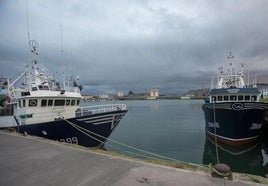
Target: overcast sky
x=171 y=45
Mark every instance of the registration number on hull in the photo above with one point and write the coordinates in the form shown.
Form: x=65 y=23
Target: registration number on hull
x=255 y=126
x=72 y=140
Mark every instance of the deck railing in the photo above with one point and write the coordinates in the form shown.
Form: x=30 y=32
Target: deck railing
x=97 y=109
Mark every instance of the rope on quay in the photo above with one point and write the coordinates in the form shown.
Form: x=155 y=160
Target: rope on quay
x=90 y=133
x=220 y=169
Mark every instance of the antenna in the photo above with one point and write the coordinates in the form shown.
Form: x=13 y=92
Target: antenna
x=64 y=82
x=212 y=83
x=27 y=15
x=61 y=31
x=230 y=56
x=35 y=45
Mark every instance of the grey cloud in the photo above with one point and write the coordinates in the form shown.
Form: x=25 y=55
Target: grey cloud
x=137 y=45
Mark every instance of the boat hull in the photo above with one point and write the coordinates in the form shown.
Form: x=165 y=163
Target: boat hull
x=247 y=158
x=235 y=123
x=89 y=131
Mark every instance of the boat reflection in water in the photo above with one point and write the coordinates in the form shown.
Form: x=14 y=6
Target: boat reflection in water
x=243 y=159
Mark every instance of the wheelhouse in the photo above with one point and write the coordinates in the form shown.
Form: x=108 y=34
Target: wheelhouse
x=234 y=95
x=48 y=102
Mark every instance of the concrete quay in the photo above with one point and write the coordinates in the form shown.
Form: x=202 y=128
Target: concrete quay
x=33 y=161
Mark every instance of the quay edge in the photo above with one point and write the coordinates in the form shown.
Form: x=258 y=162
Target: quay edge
x=29 y=160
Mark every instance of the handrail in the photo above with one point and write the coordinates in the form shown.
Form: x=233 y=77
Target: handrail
x=96 y=109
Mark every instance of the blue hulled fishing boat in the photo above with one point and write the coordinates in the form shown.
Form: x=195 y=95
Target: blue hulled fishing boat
x=234 y=113
x=38 y=103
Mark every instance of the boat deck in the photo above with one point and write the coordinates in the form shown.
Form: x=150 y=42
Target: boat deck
x=28 y=160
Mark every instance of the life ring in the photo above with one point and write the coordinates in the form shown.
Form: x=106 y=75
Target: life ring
x=32 y=102
x=7 y=99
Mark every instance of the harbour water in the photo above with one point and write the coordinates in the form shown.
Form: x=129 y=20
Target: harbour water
x=176 y=129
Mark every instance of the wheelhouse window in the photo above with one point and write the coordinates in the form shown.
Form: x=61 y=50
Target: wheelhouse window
x=247 y=98
x=43 y=102
x=253 y=98
x=73 y=102
x=34 y=89
x=225 y=98
x=50 y=102
x=67 y=102
x=240 y=98
x=77 y=102
x=233 y=97
x=41 y=87
x=219 y=98
x=213 y=98
x=59 y=102
x=32 y=102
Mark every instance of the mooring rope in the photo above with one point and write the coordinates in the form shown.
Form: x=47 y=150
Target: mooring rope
x=86 y=132
x=215 y=133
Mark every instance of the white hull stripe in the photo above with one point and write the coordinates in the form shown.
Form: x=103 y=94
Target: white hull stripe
x=98 y=120
x=113 y=119
x=97 y=117
x=246 y=106
x=231 y=139
x=98 y=123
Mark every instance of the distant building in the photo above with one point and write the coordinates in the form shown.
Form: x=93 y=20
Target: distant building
x=120 y=94
x=138 y=94
x=199 y=93
x=104 y=96
x=154 y=93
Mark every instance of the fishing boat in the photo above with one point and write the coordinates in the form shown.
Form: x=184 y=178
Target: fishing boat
x=234 y=113
x=48 y=105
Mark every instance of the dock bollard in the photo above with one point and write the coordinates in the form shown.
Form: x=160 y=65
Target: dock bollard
x=221 y=170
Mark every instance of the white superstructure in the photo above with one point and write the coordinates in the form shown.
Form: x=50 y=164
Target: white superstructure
x=36 y=97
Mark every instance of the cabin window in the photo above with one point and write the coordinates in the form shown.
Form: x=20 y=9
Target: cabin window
x=25 y=93
x=240 y=98
x=23 y=103
x=254 y=98
x=67 y=102
x=73 y=102
x=77 y=102
x=19 y=103
x=247 y=98
x=59 y=102
x=225 y=98
x=219 y=98
x=32 y=102
x=43 y=102
x=43 y=87
x=233 y=98
x=50 y=102
x=34 y=88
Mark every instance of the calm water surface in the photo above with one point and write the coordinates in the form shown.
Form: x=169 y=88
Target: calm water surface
x=176 y=129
